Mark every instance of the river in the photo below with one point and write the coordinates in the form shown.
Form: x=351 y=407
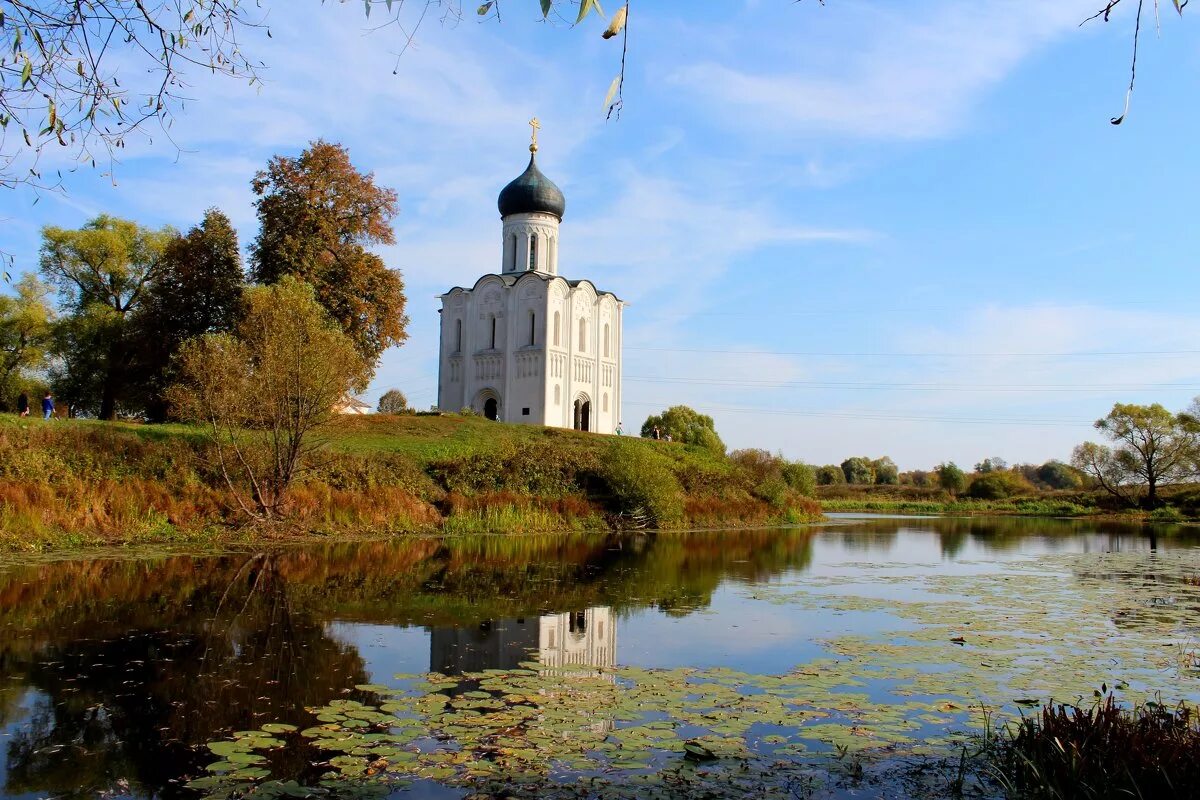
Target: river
x=851 y=659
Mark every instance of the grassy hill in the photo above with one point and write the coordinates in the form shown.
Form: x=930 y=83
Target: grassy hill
x=73 y=482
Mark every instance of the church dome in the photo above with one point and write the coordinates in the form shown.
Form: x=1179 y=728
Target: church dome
x=532 y=192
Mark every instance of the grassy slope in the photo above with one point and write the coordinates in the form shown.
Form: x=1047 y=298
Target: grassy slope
x=69 y=483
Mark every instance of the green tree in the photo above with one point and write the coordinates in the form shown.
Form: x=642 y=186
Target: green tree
x=102 y=271
x=1057 y=475
x=993 y=464
x=858 y=470
x=886 y=472
x=317 y=215
x=685 y=424
x=830 y=475
x=950 y=477
x=801 y=477
x=1152 y=447
x=393 y=401
x=197 y=290
x=267 y=394
x=26 y=334
x=999 y=485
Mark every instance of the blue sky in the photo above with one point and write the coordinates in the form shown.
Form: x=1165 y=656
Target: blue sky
x=901 y=228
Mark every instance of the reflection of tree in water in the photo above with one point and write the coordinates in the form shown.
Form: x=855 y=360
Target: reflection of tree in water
x=135 y=664
x=136 y=696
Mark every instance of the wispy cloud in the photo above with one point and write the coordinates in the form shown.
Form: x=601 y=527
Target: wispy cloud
x=908 y=72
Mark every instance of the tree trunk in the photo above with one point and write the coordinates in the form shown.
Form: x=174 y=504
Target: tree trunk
x=1152 y=494
x=113 y=379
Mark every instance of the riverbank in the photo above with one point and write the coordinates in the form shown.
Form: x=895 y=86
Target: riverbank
x=76 y=483
x=1183 y=504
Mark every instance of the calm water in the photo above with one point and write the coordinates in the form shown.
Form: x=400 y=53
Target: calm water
x=868 y=642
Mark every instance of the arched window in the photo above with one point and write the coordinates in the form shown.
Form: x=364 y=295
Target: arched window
x=582 y=335
x=605 y=401
x=532 y=328
x=533 y=251
x=493 y=333
x=458 y=335
x=606 y=344
x=557 y=327
x=512 y=254
x=557 y=395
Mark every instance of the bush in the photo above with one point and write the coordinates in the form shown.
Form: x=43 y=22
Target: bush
x=858 y=470
x=1057 y=475
x=641 y=485
x=1166 y=514
x=830 y=475
x=801 y=477
x=950 y=477
x=998 y=486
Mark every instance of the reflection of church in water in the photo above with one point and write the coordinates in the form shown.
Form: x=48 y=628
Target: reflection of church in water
x=585 y=638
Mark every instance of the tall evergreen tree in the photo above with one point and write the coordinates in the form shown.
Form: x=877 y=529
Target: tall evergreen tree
x=318 y=214
x=197 y=290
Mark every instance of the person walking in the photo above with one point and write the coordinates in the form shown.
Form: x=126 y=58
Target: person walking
x=23 y=405
x=657 y=433
x=48 y=406
x=620 y=431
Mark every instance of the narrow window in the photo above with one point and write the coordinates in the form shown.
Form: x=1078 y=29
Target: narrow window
x=458 y=335
x=532 y=328
x=512 y=258
x=533 y=251
x=557 y=325
x=582 y=335
x=552 y=259
x=606 y=402
x=557 y=396
x=606 y=340
x=493 y=333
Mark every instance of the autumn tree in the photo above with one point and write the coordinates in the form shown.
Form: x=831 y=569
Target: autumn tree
x=1151 y=447
x=686 y=425
x=318 y=214
x=197 y=290
x=393 y=401
x=886 y=472
x=267 y=393
x=26 y=334
x=101 y=272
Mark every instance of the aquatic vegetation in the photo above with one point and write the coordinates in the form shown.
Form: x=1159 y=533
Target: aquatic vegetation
x=1105 y=751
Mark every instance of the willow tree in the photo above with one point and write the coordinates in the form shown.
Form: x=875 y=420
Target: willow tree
x=1151 y=447
x=102 y=271
x=267 y=392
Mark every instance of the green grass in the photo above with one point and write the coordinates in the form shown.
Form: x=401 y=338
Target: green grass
x=1034 y=507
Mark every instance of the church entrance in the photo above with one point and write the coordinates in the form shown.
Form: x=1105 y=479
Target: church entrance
x=491 y=409
x=583 y=414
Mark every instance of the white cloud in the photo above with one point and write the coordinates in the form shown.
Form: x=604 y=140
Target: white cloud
x=890 y=73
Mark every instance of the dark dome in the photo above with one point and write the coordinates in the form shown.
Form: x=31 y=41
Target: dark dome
x=532 y=192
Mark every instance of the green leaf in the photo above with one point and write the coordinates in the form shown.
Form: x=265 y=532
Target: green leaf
x=586 y=7
x=484 y=9
x=546 y=7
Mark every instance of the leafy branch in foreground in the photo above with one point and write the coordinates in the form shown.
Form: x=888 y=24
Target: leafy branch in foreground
x=267 y=394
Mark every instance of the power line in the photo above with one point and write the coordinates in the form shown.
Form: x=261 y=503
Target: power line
x=887 y=416
x=833 y=354
x=909 y=386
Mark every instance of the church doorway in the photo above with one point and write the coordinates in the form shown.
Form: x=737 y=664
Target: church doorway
x=583 y=414
x=491 y=409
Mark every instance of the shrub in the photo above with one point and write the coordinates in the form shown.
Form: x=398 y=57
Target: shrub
x=998 y=486
x=1058 y=475
x=830 y=475
x=801 y=477
x=858 y=470
x=641 y=485
x=1166 y=514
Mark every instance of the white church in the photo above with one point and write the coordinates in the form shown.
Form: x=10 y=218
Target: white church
x=526 y=344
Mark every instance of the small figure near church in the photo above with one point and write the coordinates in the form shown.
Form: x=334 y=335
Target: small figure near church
x=23 y=405
x=526 y=344
x=48 y=406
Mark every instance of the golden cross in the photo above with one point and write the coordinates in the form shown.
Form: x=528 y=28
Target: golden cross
x=536 y=126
